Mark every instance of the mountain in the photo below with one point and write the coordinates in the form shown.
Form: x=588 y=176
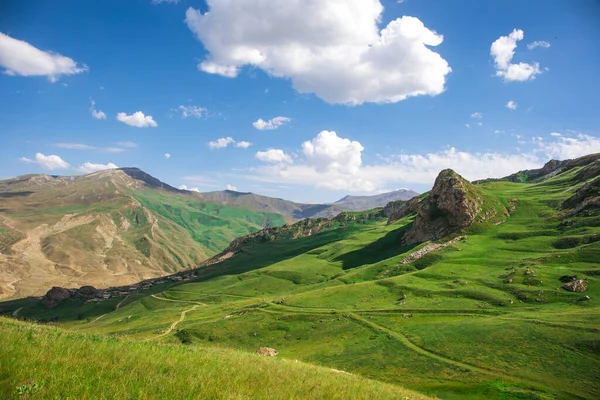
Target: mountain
x=296 y=211
x=108 y=228
x=361 y=203
x=255 y=202
x=484 y=290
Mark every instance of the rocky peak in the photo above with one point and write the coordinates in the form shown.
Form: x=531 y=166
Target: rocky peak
x=452 y=205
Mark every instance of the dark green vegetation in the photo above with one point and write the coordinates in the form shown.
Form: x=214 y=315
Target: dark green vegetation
x=485 y=317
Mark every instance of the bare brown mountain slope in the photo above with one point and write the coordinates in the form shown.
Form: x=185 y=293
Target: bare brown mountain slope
x=107 y=228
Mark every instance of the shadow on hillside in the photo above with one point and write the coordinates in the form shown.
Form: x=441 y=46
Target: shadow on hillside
x=381 y=249
x=249 y=259
x=8 y=195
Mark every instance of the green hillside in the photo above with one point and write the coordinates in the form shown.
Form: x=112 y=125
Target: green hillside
x=482 y=313
x=55 y=364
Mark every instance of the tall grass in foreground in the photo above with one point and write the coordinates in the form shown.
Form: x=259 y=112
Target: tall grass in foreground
x=47 y=362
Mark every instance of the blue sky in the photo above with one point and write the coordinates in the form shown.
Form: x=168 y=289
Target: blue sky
x=362 y=96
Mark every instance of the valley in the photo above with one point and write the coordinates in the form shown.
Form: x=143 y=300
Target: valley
x=491 y=295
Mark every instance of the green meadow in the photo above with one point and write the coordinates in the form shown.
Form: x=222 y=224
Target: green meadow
x=484 y=318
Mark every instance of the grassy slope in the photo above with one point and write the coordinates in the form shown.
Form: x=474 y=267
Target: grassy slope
x=451 y=324
x=53 y=363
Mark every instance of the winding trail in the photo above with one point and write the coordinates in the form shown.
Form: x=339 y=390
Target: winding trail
x=174 y=324
x=16 y=312
x=178 y=301
x=116 y=308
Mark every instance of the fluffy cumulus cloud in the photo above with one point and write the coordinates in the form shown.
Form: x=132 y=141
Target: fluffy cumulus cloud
x=274 y=156
x=503 y=51
x=50 y=162
x=137 y=119
x=512 y=105
x=270 y=124
x=336 y=50
x=20 y=58
x=230 y=187
x=98 y=114
x=339 y=166
x=477 y=115
x=191 y=111
x=328 y=152
x=88 y=167
x=538 y=43
x=167 y=156
x=221 y=143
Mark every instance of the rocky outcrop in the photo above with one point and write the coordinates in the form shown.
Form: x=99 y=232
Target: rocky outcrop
x=575 y=286
x=88 y=291
x=452 y=205
x=395 y=211
x=267 y=351
x=585 y=201
x=55 y=296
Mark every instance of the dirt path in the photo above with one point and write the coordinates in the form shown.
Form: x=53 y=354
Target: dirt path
x=116 y=308
x=16 y=312
x=174 y=324
x=177 y=301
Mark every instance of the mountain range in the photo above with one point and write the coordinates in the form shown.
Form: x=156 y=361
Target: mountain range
x=121 y=226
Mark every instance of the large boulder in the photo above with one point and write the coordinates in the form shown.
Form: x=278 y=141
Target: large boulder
x=575 y=286
x=55 y=296
x=88 y=291
x=452 y=205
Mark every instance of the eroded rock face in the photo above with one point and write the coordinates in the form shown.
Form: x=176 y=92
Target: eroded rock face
x=452 y=205
x=55 y=296
x=575 y=286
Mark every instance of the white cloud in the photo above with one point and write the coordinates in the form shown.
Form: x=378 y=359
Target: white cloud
x=137 y=119
x=191 y=111
x=21 y=58
x=98 y=114
x=480 y=123
x=184 y=187
x=503 y=50
x=274 y=156
x=511 y=105
x=50 y=162
x=229 y=187
x=167 y=156
x=564 y=148
x=477 y=115
x=468 y=126
x=88 y=168
x=165 y=1
x=405 y=169
x=538 y=43
x=555 y=134
x=129 y=145
x=74 y=146
x=243 y=144
x=328 y=152
x=220 y=143
x=270 y=124
x=114 y=150
x=337 y=51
